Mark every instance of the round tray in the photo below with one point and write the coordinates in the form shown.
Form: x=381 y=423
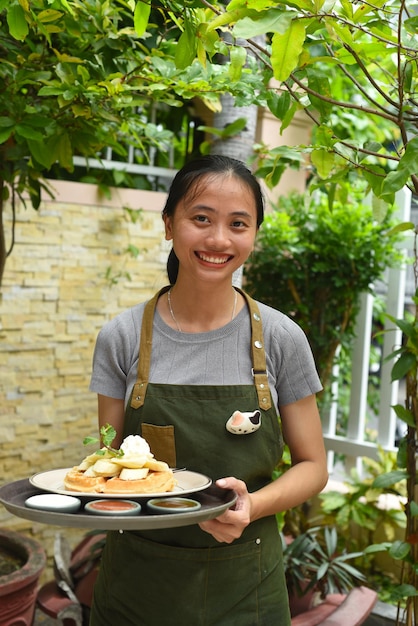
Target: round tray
x=214 y=501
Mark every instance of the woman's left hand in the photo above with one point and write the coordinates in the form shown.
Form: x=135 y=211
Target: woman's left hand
x=230 y=525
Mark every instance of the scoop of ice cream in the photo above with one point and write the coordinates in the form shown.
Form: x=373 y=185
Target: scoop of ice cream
x=135 y=445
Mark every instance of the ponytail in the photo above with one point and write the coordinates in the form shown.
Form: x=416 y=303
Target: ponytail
x=172 y=267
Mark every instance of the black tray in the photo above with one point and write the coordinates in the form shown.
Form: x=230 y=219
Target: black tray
x=214 y=501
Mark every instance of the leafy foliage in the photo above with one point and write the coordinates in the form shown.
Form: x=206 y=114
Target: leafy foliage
x=359 y=505
x=315 y=561
x=406 y=367
x=107 y=434
x=77 y=76
x=351 y=67
x=312 y=262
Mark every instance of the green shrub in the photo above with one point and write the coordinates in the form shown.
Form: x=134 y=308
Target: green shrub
x=312 y=262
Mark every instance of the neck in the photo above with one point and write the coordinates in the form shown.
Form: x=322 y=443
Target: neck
x=199 y=311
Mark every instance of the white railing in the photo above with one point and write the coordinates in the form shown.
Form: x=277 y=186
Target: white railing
x=355 y=445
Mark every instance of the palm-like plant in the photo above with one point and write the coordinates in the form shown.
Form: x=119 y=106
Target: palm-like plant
x=313 y=561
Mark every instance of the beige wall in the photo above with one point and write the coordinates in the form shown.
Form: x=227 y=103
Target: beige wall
x=298 y=134
x=54 y=301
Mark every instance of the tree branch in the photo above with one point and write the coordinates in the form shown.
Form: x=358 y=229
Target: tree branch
x=341 y=104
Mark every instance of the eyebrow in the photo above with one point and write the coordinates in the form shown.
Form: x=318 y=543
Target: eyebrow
x=236 y=213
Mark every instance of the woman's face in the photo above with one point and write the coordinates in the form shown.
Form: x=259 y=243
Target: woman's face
x=213 y=228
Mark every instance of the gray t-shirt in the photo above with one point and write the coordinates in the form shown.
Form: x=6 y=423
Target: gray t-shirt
x=217 y=357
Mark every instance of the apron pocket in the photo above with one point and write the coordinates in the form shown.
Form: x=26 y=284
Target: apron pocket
x=161 y=441
x=153 y=584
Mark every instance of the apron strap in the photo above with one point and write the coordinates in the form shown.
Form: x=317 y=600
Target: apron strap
x=145 y=346
x=258 y=355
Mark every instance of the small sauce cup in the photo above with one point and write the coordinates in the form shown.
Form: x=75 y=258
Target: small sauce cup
x=173 y=505
x=113 y=507
x=55 y=503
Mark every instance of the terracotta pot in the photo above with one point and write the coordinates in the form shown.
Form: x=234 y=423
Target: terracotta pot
x=18 y=590
x=303 y=603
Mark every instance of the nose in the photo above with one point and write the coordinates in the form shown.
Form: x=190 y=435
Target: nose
x=218 y=238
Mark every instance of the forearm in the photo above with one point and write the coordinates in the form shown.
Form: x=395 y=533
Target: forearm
x=296 y=485
x=111 y=411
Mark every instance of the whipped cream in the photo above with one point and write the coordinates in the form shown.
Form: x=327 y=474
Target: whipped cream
x=135 y=445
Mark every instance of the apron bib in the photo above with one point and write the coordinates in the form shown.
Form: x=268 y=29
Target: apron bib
x=183 y=576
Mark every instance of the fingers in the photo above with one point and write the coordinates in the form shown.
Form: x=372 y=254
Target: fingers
x=230 y=524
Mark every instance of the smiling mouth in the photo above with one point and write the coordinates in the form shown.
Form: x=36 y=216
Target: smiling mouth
x=217 y=260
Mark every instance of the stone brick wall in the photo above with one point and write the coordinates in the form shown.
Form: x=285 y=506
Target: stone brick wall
x=66 y=276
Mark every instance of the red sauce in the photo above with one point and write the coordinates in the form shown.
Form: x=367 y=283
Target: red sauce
x=112 y=505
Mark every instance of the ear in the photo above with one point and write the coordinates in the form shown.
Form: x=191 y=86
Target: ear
x=168 y=227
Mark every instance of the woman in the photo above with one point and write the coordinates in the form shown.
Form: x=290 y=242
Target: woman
x=207 y=350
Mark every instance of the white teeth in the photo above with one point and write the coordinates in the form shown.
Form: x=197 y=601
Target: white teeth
x=211 y=259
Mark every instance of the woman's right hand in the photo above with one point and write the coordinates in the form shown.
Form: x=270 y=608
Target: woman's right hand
x=231 y=524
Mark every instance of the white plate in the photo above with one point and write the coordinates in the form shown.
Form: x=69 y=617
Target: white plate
x=187 y=482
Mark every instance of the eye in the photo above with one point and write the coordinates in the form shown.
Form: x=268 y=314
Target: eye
x=201 y=218
x=238 y=224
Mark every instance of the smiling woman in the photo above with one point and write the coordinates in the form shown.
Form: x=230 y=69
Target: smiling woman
x=174 y=370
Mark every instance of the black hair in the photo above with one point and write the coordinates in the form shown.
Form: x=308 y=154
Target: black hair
x=191 y=173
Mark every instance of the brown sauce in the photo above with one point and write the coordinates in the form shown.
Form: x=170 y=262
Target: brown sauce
x=175 y=504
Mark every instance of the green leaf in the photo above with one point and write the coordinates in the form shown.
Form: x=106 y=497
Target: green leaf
x=41 y=153
x=49 y=15
x=404 y=414
x=377 y=547
x=35 y=194
x=272 y=21
x=408 y=162
x=141 y=16
x=5 y=134
x=389 y=479
x=395 y=181
x=228 y=17
x=413 y=507
x=399 y=550
x=234 y=128
x=88 y=440
x=6 y=122
x=286 y=49
x=17 y=23
x=323 y=161
x=28 y=132
x=51 y=91
x=320 y=84
x=402 y=227
x=278 y=104
x=403 y=591
x=406 y=362
x=407 y=328
x=238 y=57
x=61 y=146
x=402 y=454
x=185 y=49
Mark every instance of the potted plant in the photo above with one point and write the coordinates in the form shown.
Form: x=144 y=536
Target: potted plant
x=315 y=567
x=24 y=560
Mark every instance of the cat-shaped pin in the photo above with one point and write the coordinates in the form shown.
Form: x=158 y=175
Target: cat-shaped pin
x=244 y=423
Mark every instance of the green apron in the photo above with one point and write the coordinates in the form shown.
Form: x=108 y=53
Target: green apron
x=183 y=576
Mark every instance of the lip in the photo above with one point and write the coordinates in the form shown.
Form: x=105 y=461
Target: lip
x=219 y=260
